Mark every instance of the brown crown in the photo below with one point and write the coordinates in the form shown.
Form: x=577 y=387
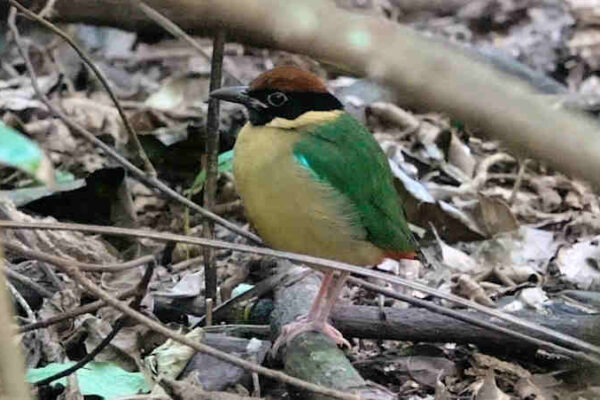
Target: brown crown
x=289 y=79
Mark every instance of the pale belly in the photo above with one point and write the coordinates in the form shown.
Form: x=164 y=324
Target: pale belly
x=290 y=209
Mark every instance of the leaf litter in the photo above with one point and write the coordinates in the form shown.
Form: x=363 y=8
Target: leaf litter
x=494 y=227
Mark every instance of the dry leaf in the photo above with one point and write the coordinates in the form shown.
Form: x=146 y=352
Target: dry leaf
x=190 y=90
x=468 y=288
x=533 y=297
x=96 y=116
x=586 y=44
x=170 y=358
x=484 y=361
x=585 y=11
x=516 y=254
x=496 y=215
x=489 y=391
x=459 y=154
x=124 y=349
x=455 y=259
x=580 y=264
x=429 y=370
x=70 y=245
x=538 y=387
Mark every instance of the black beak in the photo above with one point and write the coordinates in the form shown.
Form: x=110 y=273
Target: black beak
x=237 y=94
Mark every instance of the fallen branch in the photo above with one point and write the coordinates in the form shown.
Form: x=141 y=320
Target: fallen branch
x=424 y=71
x=419 y=325
x=584 y=351
x=311 y=355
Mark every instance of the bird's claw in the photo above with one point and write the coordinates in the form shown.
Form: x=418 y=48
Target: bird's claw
x=303 y=324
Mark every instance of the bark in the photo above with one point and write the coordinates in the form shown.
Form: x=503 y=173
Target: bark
x=419 y=325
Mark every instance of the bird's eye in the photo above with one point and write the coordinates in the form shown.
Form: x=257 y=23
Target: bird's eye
x=277 y=99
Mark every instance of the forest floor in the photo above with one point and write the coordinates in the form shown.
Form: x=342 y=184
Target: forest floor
x=494 y=227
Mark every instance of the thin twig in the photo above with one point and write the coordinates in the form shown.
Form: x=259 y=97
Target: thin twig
x=185 y=264
x=211 y=164
x=518 y=181
x=140 y=290
x=569 y=341
x=136 y=172
x=48 y=9
x=117 y=266
x=88 y=61
x=209 y=312
x=179 y=33
x=85 y=309
x=87 y=267
x=22 y=302
x=51 y=275
x=75 y=274
x=36 y=287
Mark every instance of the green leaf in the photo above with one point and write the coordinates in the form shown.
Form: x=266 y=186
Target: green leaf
x=225 y=165
x=103 y=379
x=19 y=152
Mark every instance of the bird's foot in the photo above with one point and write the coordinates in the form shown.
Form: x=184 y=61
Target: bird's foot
x=303 y=324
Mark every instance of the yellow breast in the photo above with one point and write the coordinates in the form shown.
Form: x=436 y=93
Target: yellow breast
x=289 y=208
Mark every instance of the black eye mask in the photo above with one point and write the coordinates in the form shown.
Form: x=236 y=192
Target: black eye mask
x=289 y=105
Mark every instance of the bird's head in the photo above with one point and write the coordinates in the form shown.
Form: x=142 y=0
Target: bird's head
x=283 y=92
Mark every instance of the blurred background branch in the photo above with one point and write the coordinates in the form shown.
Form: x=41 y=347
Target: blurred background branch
x=426 y=73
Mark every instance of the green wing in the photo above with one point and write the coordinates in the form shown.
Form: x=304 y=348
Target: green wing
x=345 y=155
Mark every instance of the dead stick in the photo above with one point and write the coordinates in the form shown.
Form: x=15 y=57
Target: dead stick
x=212 y=163
x=39 y=289
x=88 y=267
x=471 y=319
x=420 y=325
x=587 y=351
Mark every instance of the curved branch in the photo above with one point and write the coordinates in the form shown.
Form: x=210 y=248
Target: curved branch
x=426 y=73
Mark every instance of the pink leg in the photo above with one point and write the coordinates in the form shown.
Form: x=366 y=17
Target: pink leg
x=322 y=295
x=332 y=296
x=316 y=320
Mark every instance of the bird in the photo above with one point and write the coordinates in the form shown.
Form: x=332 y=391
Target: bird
x=313 y=180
